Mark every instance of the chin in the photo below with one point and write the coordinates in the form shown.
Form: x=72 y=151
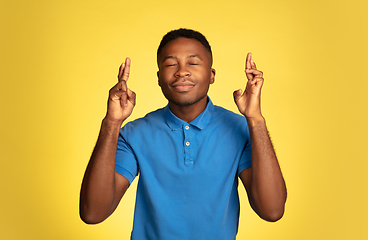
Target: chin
x=185 y=102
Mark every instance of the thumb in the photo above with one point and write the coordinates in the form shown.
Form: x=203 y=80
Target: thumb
x=237 y=94
x=131 y=96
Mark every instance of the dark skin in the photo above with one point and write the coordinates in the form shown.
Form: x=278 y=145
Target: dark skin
x=263 y=182
x=184 y=76
x=102 y=187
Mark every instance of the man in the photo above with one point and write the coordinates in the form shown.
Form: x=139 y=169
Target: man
x=189 y=154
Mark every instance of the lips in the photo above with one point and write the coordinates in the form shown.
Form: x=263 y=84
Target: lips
x=184 y=86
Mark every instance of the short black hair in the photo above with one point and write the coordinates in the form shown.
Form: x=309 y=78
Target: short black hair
x=183 y=33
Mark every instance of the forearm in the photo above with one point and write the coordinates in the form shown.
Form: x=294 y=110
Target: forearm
x=268 y=190
x=98 y=194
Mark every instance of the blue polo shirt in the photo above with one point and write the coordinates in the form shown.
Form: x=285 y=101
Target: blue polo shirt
x=188 y=173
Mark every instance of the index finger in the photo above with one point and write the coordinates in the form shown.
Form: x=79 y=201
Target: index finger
x=253 y=64
x=124 y=70
x=248 y=66
x=247 y=63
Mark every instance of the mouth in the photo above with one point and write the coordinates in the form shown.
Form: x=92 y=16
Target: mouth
x=183 y=86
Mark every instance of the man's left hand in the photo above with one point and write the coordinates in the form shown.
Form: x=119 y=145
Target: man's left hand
x=249 y=102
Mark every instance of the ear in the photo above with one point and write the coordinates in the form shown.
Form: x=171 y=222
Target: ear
x=158 y=77
x=212 y=77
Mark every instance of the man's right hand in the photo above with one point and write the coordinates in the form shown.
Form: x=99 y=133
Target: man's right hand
x=102 y=187
x=121 y=99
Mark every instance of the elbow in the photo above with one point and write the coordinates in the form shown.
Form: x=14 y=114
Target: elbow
x=89 y=220
x=89 y=217
x=271 y=211
x=273 y=215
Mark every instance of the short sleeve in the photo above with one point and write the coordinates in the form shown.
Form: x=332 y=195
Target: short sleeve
x=245 y=159
x=246 y=156
x=126 y=163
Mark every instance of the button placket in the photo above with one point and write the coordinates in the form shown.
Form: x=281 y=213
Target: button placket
x=188 y=151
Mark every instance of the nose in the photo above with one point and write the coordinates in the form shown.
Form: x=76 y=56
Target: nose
x=182 y=71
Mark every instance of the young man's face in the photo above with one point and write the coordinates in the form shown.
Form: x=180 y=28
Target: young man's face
x=185 y=71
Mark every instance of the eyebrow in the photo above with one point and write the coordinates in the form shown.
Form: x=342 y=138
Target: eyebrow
x=195 y=56
x=190 y=56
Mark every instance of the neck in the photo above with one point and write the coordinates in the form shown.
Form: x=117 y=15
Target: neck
x=190 y=112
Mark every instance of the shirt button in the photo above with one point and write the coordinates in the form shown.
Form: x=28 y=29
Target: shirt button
x=187 y=143
x=186 y=127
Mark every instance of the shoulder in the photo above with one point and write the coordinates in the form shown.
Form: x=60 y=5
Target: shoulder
x=152 y=119
x=227 y=122
x=227 y=116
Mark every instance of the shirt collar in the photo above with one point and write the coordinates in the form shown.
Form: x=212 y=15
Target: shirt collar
x=200 y=121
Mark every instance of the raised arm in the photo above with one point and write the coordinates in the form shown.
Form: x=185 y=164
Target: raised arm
x=263 y=182
x=102 y=188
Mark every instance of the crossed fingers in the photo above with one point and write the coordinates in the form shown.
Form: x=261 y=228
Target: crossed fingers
x=124 y=70
x=251 y=69
x=123 y=75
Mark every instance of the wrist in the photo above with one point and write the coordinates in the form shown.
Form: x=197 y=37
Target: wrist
x=256 y=121
x=111 y=124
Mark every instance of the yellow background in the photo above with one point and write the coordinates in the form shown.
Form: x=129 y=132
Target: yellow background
x=60 y=58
